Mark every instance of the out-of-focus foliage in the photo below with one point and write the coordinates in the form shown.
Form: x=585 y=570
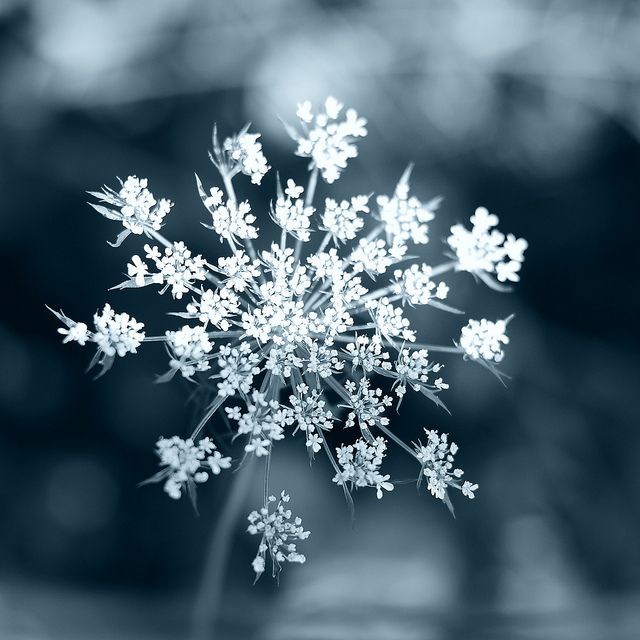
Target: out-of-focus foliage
x=494 y=76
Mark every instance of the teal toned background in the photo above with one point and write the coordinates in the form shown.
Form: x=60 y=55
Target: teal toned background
x=531 y=109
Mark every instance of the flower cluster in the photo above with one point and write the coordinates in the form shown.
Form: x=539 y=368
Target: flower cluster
x=231 y=220
x=311 y=416
x=360 y=464
x=405 y=218
x=306 y=332
x=367 y=406
x=176 y=268
x=245 y=152
x=290 y=212
x=328 y=141
x=115 y=334
x=263 y=422
x=437 y=458
x=274 y=523
x=189 y=347
x=135 y=207
x=484 y=339
x=342 y=220
x=415 y=286
x=485 y=249
x=187 y=463
x=413 y=368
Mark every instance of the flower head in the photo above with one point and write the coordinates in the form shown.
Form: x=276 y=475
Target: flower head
x=117 y=333
x=245 y=154
x=231 y=220
x=342 y=219
x=290 y=212
x=360 y=464
x=189 y=348
x=405 y=217
x=187 y=463
x=415 y=286
x=437 y=458
x=485 y=249
x=328 y=140
x=310 y=415
x=134 y=206
x=309 y=329
x=484 y=339
x=279 y=532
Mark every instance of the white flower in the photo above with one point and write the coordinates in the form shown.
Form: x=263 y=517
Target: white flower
x=76 y=332
x=416 y=286
x=405 y=218
x=245 y=153
x=486 y=249
x=263 y=423
x=342 y=219
x=310 y=415
x=176 y=268
x=508 y=271
x=293 y=190
x=310 y=324
x=360 y=464
x=134 y=206
x=117 y=333
x=373 y=256
x=329 y=142
x=482 y=220
x=233 y=221
x=140 y=207
x=189 y=348
x=279 y=532
x=239 y=270
x=515 y=247
x=390 y=321
x=413 y=368
x=326 y=264
x=138 y=270
x=367 y=406
x=436 y=458
x=215 y=199
x=187 y=463
x=216 y=307
x=291 y=213
x=314 y=442
x=258 y=565
x=283 y=360
x=323 y=360
x=237 y=368
x=305 y=112
x=367 y=353
x=468 y=489
x=484 y=339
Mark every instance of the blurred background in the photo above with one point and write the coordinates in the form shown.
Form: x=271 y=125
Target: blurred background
x=531 y=109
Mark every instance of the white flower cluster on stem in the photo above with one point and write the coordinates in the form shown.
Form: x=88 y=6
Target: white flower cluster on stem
x=484 y=339
x=301 y=335
x=360 y=466
x=485 y=250
x=278 y=530
x=187 y=463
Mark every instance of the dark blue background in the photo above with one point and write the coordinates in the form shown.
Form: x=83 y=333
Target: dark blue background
x=532 y=111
